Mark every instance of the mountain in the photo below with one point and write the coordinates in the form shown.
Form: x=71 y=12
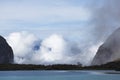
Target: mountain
x=6 y=52
x=109 y=51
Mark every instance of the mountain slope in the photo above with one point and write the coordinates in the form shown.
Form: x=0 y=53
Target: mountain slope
x=6 y=52
x=109 y=51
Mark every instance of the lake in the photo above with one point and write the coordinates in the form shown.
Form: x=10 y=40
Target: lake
x=59 y=75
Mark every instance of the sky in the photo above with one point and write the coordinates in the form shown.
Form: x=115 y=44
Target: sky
x=46 y=16
x=65 y=23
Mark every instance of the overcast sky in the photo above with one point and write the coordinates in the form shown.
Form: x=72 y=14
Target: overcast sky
x=71 y=18
x=45 y=16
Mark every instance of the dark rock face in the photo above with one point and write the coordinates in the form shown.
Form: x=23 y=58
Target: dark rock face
x=109 y=51
x=102 y=56
x=6 y=52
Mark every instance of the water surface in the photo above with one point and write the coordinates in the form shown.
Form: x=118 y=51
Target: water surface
x=59 y=75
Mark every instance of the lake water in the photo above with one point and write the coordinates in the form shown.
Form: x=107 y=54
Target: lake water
x=59 y=75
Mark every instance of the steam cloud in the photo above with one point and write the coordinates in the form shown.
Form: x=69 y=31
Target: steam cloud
x=55 y=49
x=22 y=44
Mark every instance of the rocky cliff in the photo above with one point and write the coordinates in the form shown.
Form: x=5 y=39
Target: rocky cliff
x=6 y=52
x=109 y=51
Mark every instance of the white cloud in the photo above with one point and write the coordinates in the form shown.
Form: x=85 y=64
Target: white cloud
x=92 y=52
x=52 y=50
x=22 y=44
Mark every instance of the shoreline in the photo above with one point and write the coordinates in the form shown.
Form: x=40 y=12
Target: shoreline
x=92 y=72
x=58 y=67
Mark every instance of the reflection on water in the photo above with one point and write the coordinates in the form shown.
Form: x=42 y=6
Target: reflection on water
x=59 y=75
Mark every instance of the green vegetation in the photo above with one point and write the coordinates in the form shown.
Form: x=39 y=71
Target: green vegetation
x=108 y=66
x=39 y=67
